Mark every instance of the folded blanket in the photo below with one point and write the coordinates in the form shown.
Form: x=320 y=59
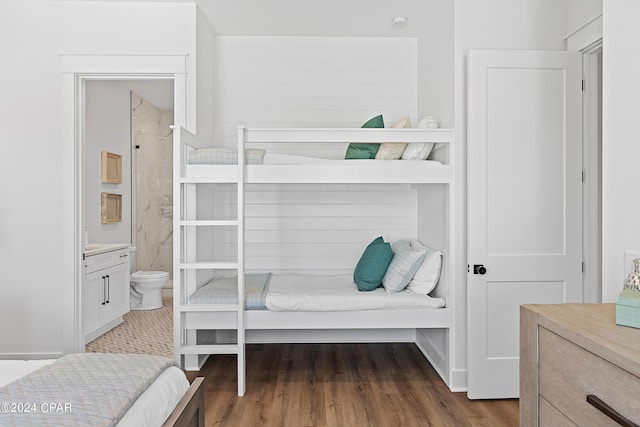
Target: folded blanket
x=224 y=156
x=86 y=389
x=224 y=290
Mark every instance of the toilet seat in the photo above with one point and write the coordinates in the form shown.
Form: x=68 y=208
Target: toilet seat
x=142 y=276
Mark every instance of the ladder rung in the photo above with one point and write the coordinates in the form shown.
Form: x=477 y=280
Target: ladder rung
x=210 y=180
x=210 y=222
x=209 y=307
x=209 y=265
x=209 y=349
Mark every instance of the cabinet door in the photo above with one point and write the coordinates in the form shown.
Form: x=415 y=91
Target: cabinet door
x=117 y=292
x=92 y=288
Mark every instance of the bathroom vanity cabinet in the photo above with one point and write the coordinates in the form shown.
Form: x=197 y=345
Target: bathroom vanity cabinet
x=105 y=289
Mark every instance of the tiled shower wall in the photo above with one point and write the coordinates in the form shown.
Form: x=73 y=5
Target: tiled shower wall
x=152 y=191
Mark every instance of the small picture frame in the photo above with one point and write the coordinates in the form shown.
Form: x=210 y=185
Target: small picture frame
x=111 y=208
x=111 y=168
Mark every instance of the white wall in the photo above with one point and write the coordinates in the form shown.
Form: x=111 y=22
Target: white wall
x=620 y=147
x=107 y=128
x=579 y=12
x=430 y=22
x=204 y=77
x=312 y=82
x=36 y=184
x=490 y=24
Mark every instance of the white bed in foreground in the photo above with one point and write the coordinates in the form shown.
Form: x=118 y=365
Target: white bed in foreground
x=168 y=401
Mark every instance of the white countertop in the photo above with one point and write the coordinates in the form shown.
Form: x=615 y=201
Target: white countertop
x=100 y=248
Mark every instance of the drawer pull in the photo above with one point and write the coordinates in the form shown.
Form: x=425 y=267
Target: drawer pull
x=601 y=406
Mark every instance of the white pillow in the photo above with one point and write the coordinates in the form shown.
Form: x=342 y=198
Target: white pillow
x=427 y=276
x=419 y=150
x=404 y=264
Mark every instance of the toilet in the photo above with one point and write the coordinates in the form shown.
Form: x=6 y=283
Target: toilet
x=146 y=286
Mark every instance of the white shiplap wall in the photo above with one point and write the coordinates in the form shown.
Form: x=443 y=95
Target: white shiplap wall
x=312 y=82
x=310 y=228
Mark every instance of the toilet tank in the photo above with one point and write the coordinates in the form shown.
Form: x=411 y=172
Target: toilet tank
x=132 y=259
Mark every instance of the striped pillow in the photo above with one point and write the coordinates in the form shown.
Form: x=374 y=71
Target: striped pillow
x=406 y=261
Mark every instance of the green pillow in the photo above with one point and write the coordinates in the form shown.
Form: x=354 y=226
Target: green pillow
x=373 y=265
x=365 y=150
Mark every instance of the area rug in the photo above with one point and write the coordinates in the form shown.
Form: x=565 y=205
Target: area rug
x=142 y=332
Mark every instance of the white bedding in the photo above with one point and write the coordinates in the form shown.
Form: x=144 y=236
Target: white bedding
x=301 y=292
x=152 y=408
x=222 y=156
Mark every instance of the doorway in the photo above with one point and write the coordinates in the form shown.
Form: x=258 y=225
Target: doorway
x=77 y=70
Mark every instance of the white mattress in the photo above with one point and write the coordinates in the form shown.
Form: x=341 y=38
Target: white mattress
x=301 y=292
x=152 y=408
x=223 y=156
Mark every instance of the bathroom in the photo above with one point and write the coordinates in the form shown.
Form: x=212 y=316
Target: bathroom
x=131 y=119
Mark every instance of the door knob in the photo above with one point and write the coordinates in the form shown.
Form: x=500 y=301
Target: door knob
x=479 y=269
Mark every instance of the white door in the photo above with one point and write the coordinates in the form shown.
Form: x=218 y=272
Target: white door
x=525 y=202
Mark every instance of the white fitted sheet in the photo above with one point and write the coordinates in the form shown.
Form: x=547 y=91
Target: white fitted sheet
x=223 y=156
x=152 y=408
x=303 y=292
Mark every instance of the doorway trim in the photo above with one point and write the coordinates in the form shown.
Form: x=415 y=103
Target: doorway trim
x=592 y=160
x=76 y=70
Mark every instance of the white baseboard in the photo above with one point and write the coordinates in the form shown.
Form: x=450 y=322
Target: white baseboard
x=30 y=356
x=458 y=380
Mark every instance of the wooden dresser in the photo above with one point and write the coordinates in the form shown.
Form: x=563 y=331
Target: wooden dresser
x=577 y=367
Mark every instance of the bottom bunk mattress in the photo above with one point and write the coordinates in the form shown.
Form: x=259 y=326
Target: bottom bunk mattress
x=83 y=389
x=308 y=292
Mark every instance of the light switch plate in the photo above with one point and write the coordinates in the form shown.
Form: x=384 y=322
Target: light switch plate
x=629 y=256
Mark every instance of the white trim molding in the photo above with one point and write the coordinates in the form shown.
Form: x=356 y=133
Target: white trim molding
x=85 y=63
x=585 y=35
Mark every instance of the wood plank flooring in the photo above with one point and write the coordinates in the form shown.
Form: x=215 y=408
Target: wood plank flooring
x=341 y=385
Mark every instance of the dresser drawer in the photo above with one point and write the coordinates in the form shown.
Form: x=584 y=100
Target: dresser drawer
x=551 y=417
x=568 y=373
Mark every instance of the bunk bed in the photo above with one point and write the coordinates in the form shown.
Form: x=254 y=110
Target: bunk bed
x=197 y=164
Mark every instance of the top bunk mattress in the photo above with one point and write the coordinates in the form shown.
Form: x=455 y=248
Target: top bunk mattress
x=267 y=167
x=317 y=156
x=224 y=156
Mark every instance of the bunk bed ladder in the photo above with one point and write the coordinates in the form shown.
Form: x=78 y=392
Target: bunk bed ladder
x=240 y=228
x=186 y=340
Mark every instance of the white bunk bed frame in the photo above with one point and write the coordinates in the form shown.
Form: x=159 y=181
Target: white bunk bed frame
x=261 y=325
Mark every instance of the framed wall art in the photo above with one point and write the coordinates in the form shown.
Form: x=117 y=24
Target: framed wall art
x=111 y=208
x=111 y=168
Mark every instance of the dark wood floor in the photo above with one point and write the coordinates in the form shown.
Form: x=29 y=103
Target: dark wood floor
x=341 y=385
